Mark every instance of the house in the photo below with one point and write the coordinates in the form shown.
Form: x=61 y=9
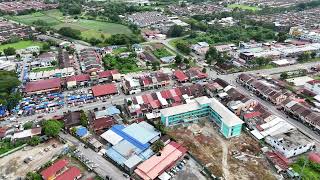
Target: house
x=200 y=48
x=71 y=119
x=25 y=134
x=100 y=125
x=71 y=173
x=291 y=143
x=131 y=85
x=56 y=168
x=137 y=48
x=90 y=60
x=195 y=73
x=157 y=164
x=313 y=86
x=104 y=90
x=180 y=76
x=43 y=86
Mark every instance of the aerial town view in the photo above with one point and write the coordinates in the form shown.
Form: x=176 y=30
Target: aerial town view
x=160 y=90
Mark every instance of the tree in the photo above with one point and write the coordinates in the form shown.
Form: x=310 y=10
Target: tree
x=52 y=127
x=313 y=55
x=212 y=55
x=155 y=65
x=35 y=140
x=160 y=127
x=175 y=31
x=83 y=118
x=304 y=57
x=129 y=102
x=284 y=75
x=9 y=51
x=183 y=47
x=8 y=83
x=46 y=46
x=27 y=125
x=69 y=32
x=157 y=146
x=186 y=61
x=204 y=70
x=34 y=54
x=281 y=37
x=33 y=176
x=178 y=59
x=54 y=63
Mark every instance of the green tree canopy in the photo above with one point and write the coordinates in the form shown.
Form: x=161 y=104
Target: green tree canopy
x=35 y=140
x=175 y=31
x=70 y=32
x=52 y=127
x=157 y=146
x=9 y=51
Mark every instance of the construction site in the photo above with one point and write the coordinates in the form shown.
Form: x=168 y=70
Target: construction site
x=235 y=158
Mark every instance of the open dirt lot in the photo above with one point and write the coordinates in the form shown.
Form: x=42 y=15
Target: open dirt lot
x=236 y=158
x=13 y=166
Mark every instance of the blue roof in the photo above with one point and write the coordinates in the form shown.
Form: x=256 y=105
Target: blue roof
x=114 y=155
x=143 y=132
x=81 y=131
x=112 y=110
x=118 y=129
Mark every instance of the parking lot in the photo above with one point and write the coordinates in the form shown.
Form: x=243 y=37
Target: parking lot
x=187 y=170
x=13 y=165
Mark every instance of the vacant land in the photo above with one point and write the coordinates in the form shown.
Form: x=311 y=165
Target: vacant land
x=21 y=45
x=13 y=165
x=162 y=52
x=244 y=7
x=204 y=141
x=89 y=28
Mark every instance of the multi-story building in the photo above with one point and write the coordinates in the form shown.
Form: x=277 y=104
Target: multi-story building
x=291 y=143
x=203 y=107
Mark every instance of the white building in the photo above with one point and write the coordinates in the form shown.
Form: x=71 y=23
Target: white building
x=291 y=143
x=7 y=65
x=65 y=72
x=313 y=86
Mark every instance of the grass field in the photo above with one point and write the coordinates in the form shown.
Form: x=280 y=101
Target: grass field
x=310 y=171
x=244 y=7
x=88 y=28
x=21 y=45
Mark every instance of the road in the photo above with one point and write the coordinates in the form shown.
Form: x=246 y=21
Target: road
x=104 y=168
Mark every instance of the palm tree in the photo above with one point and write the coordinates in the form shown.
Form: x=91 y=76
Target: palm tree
x=157 y=146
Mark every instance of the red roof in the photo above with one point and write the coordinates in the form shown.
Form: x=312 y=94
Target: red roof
x=178 y=92
x=252 y=115
x=51 y=171
x=313 y=82
x=165 y=94
x=180 y=75
x=70 y=174
x=108 y=73
x=103 y=90
x=102 y=123
x=314 y=157
x=145 y=99
x=177 y=99
x=79 y=78
x=155 y=104
x=43 y=85
x=278 y=159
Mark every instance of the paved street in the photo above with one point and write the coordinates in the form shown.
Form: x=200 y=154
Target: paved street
x=105 y=168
